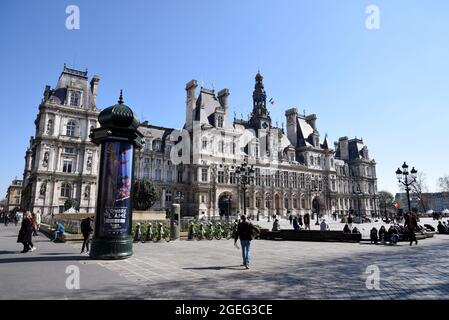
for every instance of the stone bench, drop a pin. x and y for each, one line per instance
(45, 229)
(310, 235)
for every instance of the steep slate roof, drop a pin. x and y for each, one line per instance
(304, 132)
(355, 147)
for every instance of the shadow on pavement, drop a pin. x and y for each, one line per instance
(215, 268)
(8, 252)
(43, 259)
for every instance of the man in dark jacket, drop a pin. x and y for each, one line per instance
(245, 232)
(295, 223)
(307, 221)
(411, 224)
(86, 230)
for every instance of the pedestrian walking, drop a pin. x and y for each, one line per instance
(296, 224)
(25, 233)
(38, 222)
(290, 218)
(86, 230)
(307, 221)
(411, 223)
(34, 221)
(245, 231)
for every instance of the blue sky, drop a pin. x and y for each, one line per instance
(388, 86)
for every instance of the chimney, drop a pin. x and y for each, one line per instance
(311, 119)
(292, 130)
(94, 86)
(223, 98)
(344, 148)
(190, 103)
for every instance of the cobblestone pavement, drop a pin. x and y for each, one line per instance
(287, 270)
(211, 270)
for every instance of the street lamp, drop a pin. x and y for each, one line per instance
(313, 189)
(245, 176)
(403, 177)
(358, 193)
(179, 197)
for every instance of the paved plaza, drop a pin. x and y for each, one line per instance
(211, 270)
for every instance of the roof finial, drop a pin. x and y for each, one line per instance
(120, 99)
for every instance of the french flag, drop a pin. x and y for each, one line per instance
(271, 101)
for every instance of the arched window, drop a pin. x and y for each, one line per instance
(71, 126)
(204, 143)
(66, 190)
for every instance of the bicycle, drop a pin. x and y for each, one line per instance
(200, 233)
(162, 233)
(138, 233)
(210, 232)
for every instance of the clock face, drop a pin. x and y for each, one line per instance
(264, 125)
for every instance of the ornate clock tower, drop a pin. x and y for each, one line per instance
(260, 117)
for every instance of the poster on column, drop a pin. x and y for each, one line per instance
(115, 206)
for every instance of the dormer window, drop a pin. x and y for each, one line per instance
(220, 122)
(157, 145)
(75, 98)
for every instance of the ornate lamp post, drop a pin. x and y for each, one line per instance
(403, 177)
(357, 193)
(118, 137)
(245, 176)
(313, 191)
(179, 197)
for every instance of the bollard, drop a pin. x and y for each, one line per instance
(175, 221)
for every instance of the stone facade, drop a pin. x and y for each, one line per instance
(61, 161)
(13, 195)
(295, 172)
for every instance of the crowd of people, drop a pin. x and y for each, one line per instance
(31, 224)
(389, 234)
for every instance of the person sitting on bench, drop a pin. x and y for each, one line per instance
(58, 230)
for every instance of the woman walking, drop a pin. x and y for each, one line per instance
(25, 233)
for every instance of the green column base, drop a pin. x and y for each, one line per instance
(111, 249)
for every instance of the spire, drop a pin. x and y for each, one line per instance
(120, 99)
(259, 96)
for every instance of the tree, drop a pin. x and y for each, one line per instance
(418, 189)
(443, 183)
(144, 195)
(386, 203)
